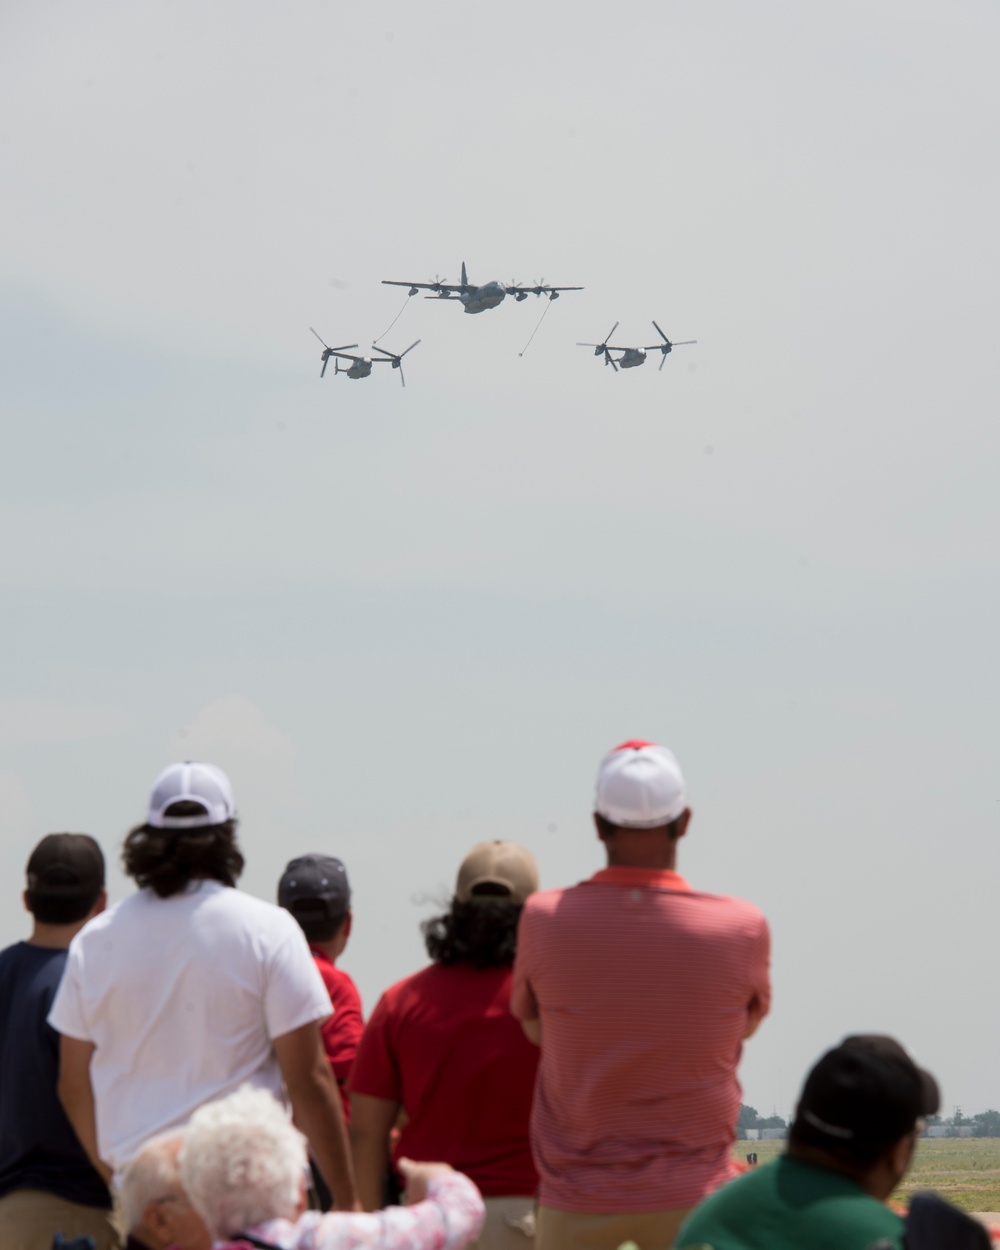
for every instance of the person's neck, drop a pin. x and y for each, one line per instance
(870, 1179)
(54, 936)
(142, 1236)
(332, 949)
(662, 859)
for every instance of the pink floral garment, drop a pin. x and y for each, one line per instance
(450, 1218)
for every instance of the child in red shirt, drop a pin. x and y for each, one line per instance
(315, 889)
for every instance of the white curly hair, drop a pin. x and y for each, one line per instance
(150, 1176)
(243, 1162)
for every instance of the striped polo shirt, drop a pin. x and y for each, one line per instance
(645, 990)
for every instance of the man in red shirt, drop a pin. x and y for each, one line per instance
(315, 889)
(443, 1048)
(640, 992)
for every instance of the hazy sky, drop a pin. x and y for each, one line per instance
(408, 620)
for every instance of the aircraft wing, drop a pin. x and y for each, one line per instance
(540, 289)
(457, 287)
(346, 356)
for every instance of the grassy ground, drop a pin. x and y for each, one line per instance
(965, 1170)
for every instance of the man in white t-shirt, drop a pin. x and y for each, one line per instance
(189, 988)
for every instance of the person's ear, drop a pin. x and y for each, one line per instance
(681, 824)
(155, 1219)
(345, 930)
(24, 899)
(100, 904)
(602, 827)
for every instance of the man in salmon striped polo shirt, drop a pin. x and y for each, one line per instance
(640, 992)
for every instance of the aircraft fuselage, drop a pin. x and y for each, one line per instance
(482, 297)
(358, 369)
(634, 356)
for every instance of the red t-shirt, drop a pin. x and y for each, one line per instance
(341, 1031)
(444, 1044)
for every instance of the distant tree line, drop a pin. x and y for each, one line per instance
(985, 1124)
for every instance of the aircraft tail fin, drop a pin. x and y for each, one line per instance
(465, 279)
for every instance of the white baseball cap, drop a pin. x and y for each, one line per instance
(640, 786)
(191, 782)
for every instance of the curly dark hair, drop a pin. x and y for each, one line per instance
(482, 932)
(165, 860)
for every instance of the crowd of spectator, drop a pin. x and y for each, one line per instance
(190, 1068)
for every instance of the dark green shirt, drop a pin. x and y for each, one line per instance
(789, 1205)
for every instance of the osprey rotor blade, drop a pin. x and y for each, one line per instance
(314, 332)
(326, 361)
(661, 334)
(409, 349)
(610, 359)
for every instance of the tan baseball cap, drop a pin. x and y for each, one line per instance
(497, 864)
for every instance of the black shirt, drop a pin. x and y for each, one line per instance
(38, 1148)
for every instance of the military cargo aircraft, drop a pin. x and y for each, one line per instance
(477, 299)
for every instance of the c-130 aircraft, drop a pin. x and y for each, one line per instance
(477, 299)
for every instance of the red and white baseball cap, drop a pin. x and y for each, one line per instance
(191, 782)
(640, 786)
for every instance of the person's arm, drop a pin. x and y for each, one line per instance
(444, 1211)
(523, 1003)
(760, 981)
(76, 1093)
(371, 1122)
(317, 1109)
(342, 1032)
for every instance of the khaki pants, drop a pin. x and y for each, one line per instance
(30, 1218)
(509, 1225)
(578, 1230)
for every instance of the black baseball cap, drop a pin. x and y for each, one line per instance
(66, 865)
(315, 878)
(866, 1091)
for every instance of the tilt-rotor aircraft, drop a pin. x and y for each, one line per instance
(361, 366)
(632, 357)
(476, 299)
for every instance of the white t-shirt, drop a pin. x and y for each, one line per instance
(181, 997)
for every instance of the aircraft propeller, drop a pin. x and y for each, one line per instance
(601, 349)
(666, 346)
(397, 361)
(328, 352)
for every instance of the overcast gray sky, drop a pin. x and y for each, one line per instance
(408, 620)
